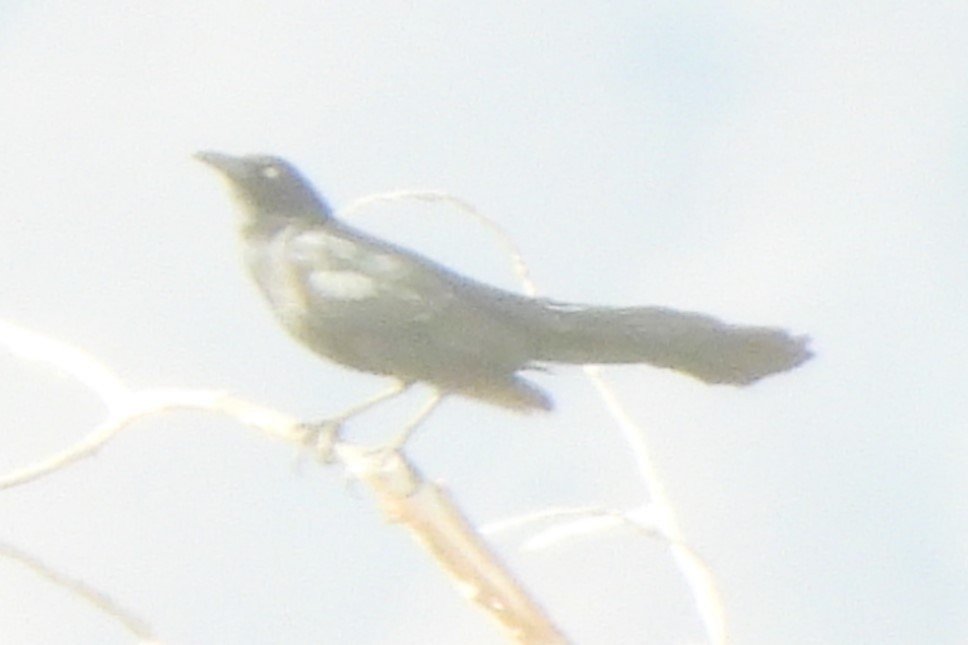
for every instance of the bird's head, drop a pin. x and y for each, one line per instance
(268, 187)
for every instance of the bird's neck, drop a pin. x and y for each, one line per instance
(268, 224)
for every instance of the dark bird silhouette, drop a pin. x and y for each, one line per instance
(379, 308)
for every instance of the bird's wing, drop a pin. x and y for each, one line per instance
(393, 311)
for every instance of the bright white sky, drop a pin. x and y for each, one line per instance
(796, 165)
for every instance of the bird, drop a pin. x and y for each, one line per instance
(377, 307)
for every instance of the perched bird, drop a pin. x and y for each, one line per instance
(380, 308)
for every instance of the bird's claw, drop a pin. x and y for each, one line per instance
(384, 452)
(321, 437)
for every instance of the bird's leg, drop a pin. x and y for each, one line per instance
(422, 414)
(322, 434)
(398, 387)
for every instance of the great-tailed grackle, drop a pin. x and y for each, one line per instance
(376, 307)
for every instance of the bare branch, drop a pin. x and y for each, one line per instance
(426, 510)
(698, 575)
(422, 507)
(435, 521)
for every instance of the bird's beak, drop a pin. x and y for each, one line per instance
(227, 164)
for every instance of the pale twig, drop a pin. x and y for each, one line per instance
(32, 346)
(519, 266)
(698, 575)
(586, 521)
(575, 521)
(133, 624)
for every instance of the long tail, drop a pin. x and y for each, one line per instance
(696, 344)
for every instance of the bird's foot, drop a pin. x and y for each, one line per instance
(320, 437)
(381, 455)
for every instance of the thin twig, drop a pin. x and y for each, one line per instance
(698, 575)
(80, 589)
(518, 265)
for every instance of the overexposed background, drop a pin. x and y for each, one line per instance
(798, 164)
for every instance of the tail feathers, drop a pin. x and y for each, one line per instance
(695, 344)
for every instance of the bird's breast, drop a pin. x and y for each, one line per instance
(310, 274)
(272, 266)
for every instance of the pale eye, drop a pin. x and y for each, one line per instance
(270, 172)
